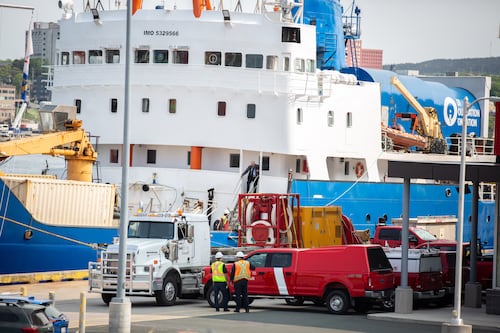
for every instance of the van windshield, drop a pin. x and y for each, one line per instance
(378, 260)
(424, 234)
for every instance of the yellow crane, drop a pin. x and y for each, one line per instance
(428, 124)
(72, 143)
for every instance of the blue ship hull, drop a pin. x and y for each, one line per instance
(364, 203)
(49, 249)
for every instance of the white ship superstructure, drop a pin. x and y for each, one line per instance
(224, 90)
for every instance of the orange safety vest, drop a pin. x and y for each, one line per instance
(217, 272)
(242, 270)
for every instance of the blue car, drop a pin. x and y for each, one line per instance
(58, 319)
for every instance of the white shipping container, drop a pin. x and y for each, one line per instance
(65, 202)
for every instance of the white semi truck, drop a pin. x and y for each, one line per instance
(166, 253)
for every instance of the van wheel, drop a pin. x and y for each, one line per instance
(168, 294)
(295, 301)
(106, 298)
(337, 302)
(211, 296)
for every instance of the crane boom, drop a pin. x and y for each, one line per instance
(429, 122)
(73, 144)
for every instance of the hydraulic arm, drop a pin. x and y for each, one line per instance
(73, 144)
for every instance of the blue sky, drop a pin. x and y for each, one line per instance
(407, 30)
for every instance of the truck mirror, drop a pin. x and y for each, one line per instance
(190, 233)
(173, 250)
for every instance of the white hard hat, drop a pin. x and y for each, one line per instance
(218, 255)
(240, 254)
(226, 211)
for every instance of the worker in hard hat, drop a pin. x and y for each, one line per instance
(224, 220)
(219, 280)
(240, 274)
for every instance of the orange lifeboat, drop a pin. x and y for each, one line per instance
(199, 6)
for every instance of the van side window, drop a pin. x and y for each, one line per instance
(281, 260)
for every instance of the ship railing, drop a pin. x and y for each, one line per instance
(474, 145)
(272, 81)
(487, 191)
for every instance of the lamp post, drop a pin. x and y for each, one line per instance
(457, 321)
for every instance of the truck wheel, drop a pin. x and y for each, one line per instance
(295, 301)
(337, 302)
(106, 298)
(168, 294)
(389, 303)
(211, 296)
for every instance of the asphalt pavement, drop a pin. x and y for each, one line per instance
(194, 316)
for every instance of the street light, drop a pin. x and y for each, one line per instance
(457, 320)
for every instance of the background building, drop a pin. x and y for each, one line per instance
(44, 48)
(7, 103)
(359, 57)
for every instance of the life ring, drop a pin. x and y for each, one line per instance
(256, 233)
(249, 214)
(360, 169)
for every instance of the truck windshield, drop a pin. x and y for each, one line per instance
(150, 229)
(424, 234)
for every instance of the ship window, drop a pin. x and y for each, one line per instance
(346, 168)
(349, 119)
(141, 56)
(78, 57)
(234, 160)
(233, 59)
(64, 58)
(330, 118)
(213, 58)
(189, 158)
(297, 165)
(221, 109)
(180, 57)
(112, 56)
(113, 156)
(95, 57)
(299, 65)
(114, 105)
(78, 104)
(145, 105)
(265, 163)
(251, 111)
(160, 56)
(272, 63)
(300, 116)
(286, 64)
(290, 35)
(172, 105)
(254, 61)
(151, 156)
(310, 66)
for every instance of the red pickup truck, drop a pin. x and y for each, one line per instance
(390, 235)
(340, 276)
(425, 275)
